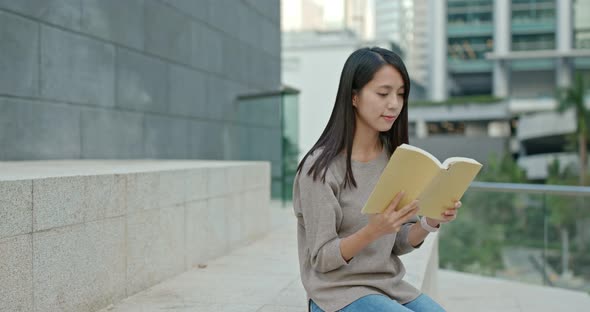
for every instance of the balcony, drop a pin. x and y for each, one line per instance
(536, 165)
(199, 236)
(470, 66)
(470, 29)
(532, 104)
(534, 64)
(460, 109)
(264, 276)
(546, 124)
(533, 26)
(535, 234)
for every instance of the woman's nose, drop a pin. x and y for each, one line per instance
(394, 103)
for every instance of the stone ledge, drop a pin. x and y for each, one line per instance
(422, 266)
(84, 234)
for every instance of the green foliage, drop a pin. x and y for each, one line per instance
(564, 211)
(490, 221)
(473, 242)
(560, 207)
(503, 170)
(573, 97)
(468, 246)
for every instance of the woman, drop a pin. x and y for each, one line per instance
(350, 261)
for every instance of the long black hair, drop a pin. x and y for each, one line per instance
(359, 69)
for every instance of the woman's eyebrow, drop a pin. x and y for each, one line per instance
(390, 87)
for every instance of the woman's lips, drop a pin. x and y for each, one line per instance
(389, 118)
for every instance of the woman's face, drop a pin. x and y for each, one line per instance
(380, 101)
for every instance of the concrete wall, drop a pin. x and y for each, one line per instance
(132, 79)
(536, 166)
(467, 112)
(79, 235)
(545, 124)
(312, 64)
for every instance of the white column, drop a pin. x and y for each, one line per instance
(563, 40)
(421, 129)
(437, 50)
(502, 34)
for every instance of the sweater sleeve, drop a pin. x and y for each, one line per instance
(402, 246)
(316, 205)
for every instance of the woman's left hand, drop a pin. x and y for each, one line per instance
(448, 215)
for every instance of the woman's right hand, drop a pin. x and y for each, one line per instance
(391, 220)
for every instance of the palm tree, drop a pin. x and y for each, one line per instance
(573, 97)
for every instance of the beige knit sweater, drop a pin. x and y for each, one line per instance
(327, 213)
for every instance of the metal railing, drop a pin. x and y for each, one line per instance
(524, 232)
(532, 188)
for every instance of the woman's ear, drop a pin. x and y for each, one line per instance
(355, 98)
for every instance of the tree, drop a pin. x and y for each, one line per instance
(505, 206)
(573, 98)
(565, 212)
(561, 210)
(473, 243)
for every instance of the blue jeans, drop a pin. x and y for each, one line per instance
(379, 303)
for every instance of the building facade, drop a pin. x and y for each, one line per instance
(136, 79)
(405, 23)
(519, 52)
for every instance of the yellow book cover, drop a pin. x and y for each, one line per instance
(422, 176)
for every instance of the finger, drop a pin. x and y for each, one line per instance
(397, 213)
(449, 218)
(411, 210)
(447, 214)
(396, 200)
(451, 210)
(458, 204)
(404, 217)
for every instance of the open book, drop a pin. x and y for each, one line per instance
(422, 177)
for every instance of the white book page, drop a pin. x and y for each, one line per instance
(450, 160)
(421, 151)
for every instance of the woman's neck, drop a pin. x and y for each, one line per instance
(366, 144)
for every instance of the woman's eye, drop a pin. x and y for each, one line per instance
(383, 94)
(401, 95)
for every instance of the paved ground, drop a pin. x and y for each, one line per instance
(462, 292)
(264, 277)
